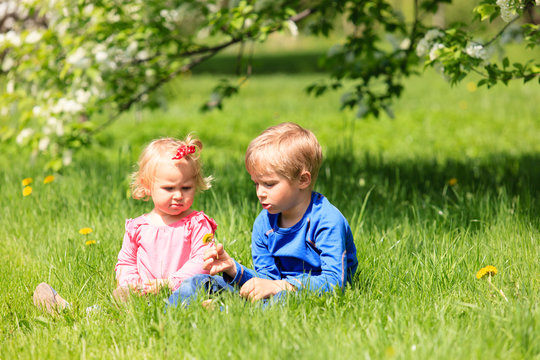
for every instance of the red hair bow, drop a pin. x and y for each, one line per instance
(182, 151)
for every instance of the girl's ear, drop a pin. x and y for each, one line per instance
(304, 179)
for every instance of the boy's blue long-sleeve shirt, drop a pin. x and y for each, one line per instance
(317, 253)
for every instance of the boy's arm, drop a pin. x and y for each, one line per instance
(330, 239)
(233, 272)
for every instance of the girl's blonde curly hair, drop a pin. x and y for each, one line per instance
(142, 179)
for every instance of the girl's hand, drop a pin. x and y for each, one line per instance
(154, 286)
(217, 260)
(256, 288)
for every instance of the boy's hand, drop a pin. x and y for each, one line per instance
(256, 288)
(217, 260)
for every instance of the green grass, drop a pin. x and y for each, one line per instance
(420, 241)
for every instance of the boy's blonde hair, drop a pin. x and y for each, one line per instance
(287, 149)
(165, 149)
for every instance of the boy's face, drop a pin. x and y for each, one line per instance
(277, 194)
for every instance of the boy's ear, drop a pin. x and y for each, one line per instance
(305, 179)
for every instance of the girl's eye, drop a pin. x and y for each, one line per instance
(186, 188)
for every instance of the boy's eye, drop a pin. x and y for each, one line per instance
(186, 188)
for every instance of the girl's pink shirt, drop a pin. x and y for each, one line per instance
(174, 252)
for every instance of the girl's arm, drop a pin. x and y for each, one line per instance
(203, 226)
(126, 266)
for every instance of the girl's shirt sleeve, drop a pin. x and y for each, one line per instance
(126, 266)
(199, 226)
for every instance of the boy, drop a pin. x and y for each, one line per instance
(299, 240)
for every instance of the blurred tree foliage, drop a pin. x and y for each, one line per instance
(65, 61)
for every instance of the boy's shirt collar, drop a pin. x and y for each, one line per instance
(273, 218)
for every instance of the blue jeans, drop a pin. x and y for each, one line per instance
(189, 289)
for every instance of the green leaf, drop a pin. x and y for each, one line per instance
(485, 11)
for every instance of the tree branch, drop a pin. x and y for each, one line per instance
(211, 51)
(501, 31)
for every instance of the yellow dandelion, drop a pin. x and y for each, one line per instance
(27, 191)
(208, 238)
(90, 242)
(85, 231)
(48, 179)
(487, 270)
(452, 182)
(490, 271)
(27, 181)
(471, 87)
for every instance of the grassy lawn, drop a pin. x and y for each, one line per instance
(447, 187)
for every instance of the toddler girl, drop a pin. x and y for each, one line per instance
(165, 246)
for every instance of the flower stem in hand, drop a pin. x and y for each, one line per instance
(210, 238)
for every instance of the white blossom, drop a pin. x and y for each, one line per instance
(33, 37)
(54, 125)
(23, 135)
(101, 56)
(142, 55)
(10, 87)
(433, 34)
(149, 73)
(7, 64)
(82, 96)
(62, 28)
(426, 43)
(59, 128)
(13, 38)
(476, 51)
(132, 48)
(434, 52)
(88, 10)
(36, 110)
(507, 13)
(78, 58)
(66, 105)
(43, 143)
(67, 157)
(7, 7)
(292, 28)
(405, 43)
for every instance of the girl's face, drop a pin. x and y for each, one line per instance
(173, 190)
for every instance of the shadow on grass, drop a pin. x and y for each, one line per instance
(292, 63)
(464, 192)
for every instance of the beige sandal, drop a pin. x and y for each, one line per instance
(47, 299)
